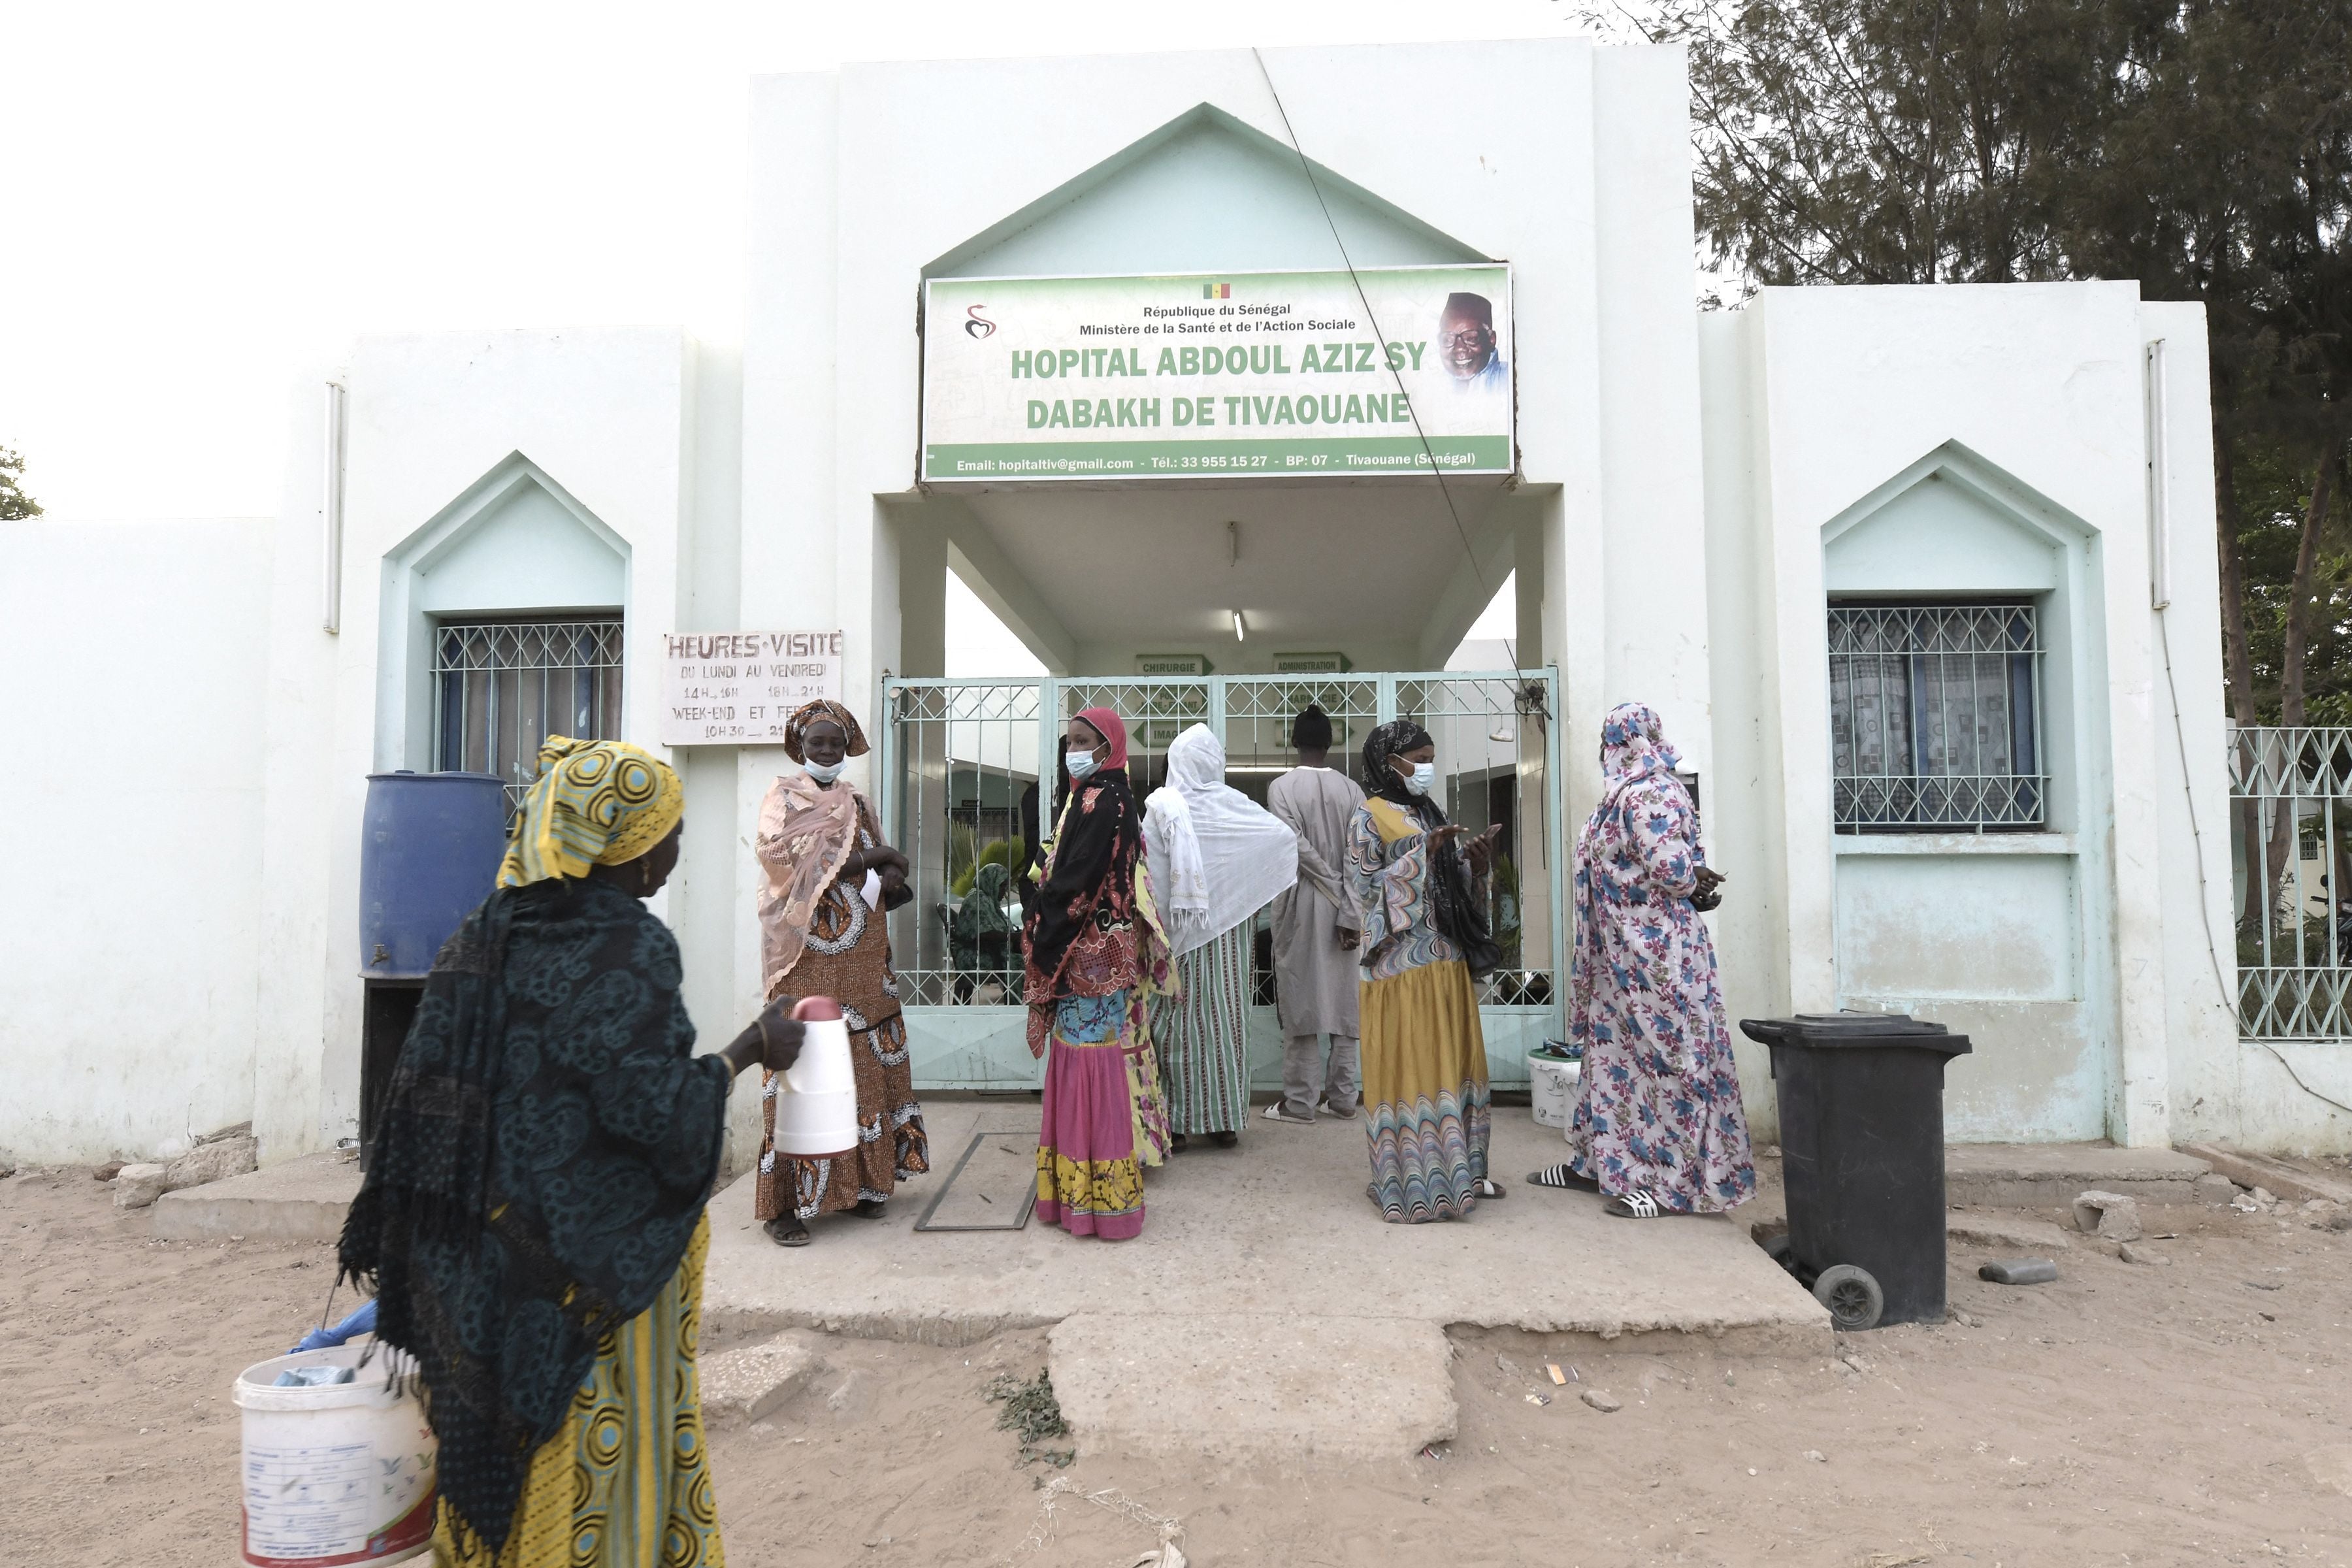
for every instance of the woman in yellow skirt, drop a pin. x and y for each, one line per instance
(1420, 884)
(532, 1220)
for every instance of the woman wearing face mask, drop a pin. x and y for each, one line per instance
(1420, 884)
(830, 879)
(1097, 955)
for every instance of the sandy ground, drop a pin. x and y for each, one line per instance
(2129, 1415)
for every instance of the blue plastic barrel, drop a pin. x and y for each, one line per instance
(429, 850)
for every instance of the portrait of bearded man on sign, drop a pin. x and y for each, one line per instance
(1467, 347)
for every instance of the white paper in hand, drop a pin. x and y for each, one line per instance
(872, 891)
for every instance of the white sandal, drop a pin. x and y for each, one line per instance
(1632, 1206)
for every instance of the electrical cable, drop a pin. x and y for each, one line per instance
(1509, 644)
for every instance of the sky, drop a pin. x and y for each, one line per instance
(201, 205)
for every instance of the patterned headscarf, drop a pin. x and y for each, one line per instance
(1394, 740)
(796, 728)
(594, 803)
(1633, 743)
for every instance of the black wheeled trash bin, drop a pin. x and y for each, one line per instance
(1862, 1148)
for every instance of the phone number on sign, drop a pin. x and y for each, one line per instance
(1171, 465)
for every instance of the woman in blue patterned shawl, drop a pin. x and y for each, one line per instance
(532, 1217)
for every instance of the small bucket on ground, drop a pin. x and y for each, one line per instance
(1552, 1082)
(339, 1473)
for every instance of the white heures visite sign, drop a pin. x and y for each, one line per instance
(1391, 370)
(737, 688)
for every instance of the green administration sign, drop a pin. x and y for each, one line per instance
(1398, 370)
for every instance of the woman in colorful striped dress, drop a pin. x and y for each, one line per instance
(1096, 956)
(1217, 858)
(1420, 886)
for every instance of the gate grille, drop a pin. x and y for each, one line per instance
(958, 756)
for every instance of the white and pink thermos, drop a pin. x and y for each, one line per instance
(816, 1099)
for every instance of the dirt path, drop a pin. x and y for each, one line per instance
(2128, 1414)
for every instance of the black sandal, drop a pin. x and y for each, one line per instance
(787, 1230)
(1177, 1142)
(1562, 1176)
(1227, 1140)
(868, 1208)
(1490, 1190)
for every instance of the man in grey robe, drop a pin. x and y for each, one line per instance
(1316, 934)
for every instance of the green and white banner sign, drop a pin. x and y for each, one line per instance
(1388, 371)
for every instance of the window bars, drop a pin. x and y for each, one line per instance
(2291, 888)
(501, 688)
(1935, 718)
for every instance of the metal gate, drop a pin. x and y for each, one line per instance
(957, 758)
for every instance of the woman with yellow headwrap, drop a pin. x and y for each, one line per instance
(532, 1218)
(830, 879)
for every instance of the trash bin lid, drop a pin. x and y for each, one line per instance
(1830, 1031)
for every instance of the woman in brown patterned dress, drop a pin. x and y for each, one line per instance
(830, 880)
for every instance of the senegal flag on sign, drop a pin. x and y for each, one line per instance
(1216, 291)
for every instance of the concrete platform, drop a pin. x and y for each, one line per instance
(301, 1200)
(2047, 1175)
(1266, 1302)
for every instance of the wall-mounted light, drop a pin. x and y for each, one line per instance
(1239, 634)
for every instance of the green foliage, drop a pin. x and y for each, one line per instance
(2203, 150)
(963, 851)
(1006, 852)
(15, 504)
(1030, 1411)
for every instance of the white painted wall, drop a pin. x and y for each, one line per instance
(1823, 405)
(136, 658)
(1680, 476)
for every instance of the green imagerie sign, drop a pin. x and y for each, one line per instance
(1395, 370)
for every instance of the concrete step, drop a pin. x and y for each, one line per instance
(300, 1200)
(2051, 1175)
(1254, 1387)
(2299, 1180)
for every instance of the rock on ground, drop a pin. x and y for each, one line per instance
(1602, 1401)
(2216, 1190)
(136, 1187)
(2113, 1216)
(214, 1161)
(740, 1386)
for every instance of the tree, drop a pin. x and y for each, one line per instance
(15, 504)
(2201, 147)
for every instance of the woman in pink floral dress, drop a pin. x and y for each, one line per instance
(1659, 1128)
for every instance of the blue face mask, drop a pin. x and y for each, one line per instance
(825, 772)
(1423, 779)
(1080, 765)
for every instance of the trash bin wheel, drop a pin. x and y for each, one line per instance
(1782, 1251)
(1852, 1296)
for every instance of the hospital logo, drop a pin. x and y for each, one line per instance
(978, 325)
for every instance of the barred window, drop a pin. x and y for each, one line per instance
(500, 687)
(1935, 715)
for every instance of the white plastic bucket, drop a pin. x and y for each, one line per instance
(339, 1474)
(816, 1097)
(1552, 1083)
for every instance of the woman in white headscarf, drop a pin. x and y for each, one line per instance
(1217, 858)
